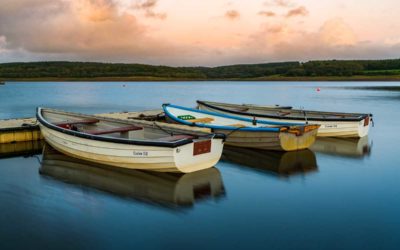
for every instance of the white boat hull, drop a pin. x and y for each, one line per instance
(162, 159)
(327, 128)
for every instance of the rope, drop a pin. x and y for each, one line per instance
(171, 133)
(162, 129)
(233, 131)
(143, 116)
(305, 116)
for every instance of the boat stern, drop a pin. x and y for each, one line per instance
(364, 126)
(298, 137)
(201, 154)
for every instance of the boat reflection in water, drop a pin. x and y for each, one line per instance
(281, 163)
(166, 189)
(343, 147)
(16, 149)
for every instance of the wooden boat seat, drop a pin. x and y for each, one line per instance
(68, 124)
(175, 138)
(113, 130)
(237, 125)
(202, 120)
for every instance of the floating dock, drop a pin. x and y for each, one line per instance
(27, 129)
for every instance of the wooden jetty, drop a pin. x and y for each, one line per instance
(27, 129)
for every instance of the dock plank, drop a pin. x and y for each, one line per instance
(17, 123)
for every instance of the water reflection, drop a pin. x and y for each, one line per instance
(281, 163)
(377, 88)
(166, 189)
(21, 149)
(343, 147)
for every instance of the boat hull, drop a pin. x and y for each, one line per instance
(327, 129)
(243, 133)
(269, 140)
(163, 159)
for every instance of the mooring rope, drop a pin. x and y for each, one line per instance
(233, 131)
(162, 129)
(305, 116)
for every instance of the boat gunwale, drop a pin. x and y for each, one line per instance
(51, 126)
(231, 128)
(360, 118)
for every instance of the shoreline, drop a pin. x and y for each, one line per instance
(358, 78)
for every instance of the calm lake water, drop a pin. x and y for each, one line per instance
(344, 194)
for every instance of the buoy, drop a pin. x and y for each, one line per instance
(318, 89)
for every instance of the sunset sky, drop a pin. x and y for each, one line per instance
(198, 32)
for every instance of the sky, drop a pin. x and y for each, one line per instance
(198, 32)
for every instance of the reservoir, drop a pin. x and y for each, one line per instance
(341, 194)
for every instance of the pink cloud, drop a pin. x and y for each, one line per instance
(282, 3)
(267, 13)
(85, 28)
(111, 30)
(232, 14)
(299, 11)
(279, 3)
(148, 7)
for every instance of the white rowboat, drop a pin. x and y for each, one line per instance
(125, 144)
(333, 124)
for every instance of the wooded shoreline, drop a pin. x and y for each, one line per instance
(263, 79)
(333, 70)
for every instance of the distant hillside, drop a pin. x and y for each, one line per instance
(276, 71)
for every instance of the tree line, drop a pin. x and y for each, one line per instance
(289, 69)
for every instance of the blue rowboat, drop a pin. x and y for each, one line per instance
(245, 132)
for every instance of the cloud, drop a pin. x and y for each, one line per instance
(82, 29)
(148, 4)
(336, 32)
(267, 13)
(114, 31)
(299, 11)
(3, 44)
(283, 3)
(232, 14)
(148, 7)
(389, 41)
(335, 39)
(279, 3)
(276, 29)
